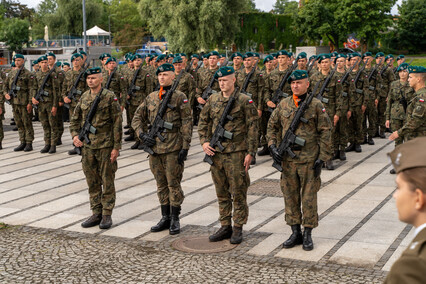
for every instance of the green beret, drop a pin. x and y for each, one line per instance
(248, 54)
(42, 58)
(171, 55)
(416, 69)
(103, 55)
(356, 54)
(409, 155)
(224, 71)
(334, 54)
(274, 55)
(323, 56)
(195, 56)
(160, 57)
(151, 57)
(17, 56)
(368, 53)
(214, 52)
(94, 70)
(350, 55)
(165, 67)
(290, 54)
(268, 58)
(298, 75)
(402, 67)
(235, 54)
(301, 55)
(13, 64)
(34, 62)
(82, 52)
(256, 54)
(177, 59)
(379, 54)
(313, 57)
(283, 52)
(110, 59)
(206, 55)
(182, 54)
(222, 56)
(50, 54)
(340, 55)
(137, 55)
(401, 56)
(75, 55)
(58, 64)
(66, 63)
(389, 56)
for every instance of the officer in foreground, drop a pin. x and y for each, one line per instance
(99, 158)
(409, 161)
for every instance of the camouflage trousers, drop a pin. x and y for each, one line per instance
(396, 124)
(100, 175)
(355, 126)
(370, 115)
(300, 187)
(381, 117)
(231, 182)
(263, 127)
(59, 127)
(48, 121)
(1, 128)
(168, 175)
(132, 110)
(129, 122)
(341, 133)
(24, 123)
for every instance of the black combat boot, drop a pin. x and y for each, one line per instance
(382, 133)
(329, 165)
(264, 151)
(127, 132)
(365, 140)
(1, 146)
(237, 235)
(175, 224)
(342, 155)
(131, 137)
(225, 232)
(307, 239)
(59, 142)
(28, 147)
(336, 155)
(392, 172)
(52, 149)
(295, 238)
(135, 146)
(72, 152)
(370, 140)
(45, 149)
(350, 148)
(20, 147)
(106, 222)
(15, 129)
(126, 127)
(165, 220)
(140, 147)
(358, 148)
(93, 220)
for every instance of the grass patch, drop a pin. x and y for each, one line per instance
(4, 226)
(419, 62)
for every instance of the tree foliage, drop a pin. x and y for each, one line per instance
(411, 25)
(286, 7)
(15, 33)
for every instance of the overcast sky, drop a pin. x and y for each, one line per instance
(264, 5)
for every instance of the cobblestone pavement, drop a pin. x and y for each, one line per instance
(44, 199)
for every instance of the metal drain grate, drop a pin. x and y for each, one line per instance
(266, 187)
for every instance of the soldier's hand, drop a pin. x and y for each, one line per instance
(114, 155)
(207, 149)
(363, 108)
(67, 100)
(1, 111)
(376, 102)
(77, 142)
(201, 101)
(247, 162)
(259, 112)
(271, 104)
(29, 108)
(183, 153)
(61, 104)
(336, 119)
(393, 136)
(122, 108)
(146, 140)
(54, 110)
(34, 101)
(349, 114)
(317, 167)
(387, 124)
(275, 154)
(7, 96)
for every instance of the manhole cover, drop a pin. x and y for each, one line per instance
(266, 187)
(201, 244)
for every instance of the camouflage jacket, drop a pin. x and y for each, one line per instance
(316, 133)
(383, 82)
(118, 85)
(273, 83)
(187, 86)
(332, 93)
(26, 83)
(415, 125)
(255, 87)
(244, 125)
(359, 94)
(181, 117)
(204, 78)
(266, 90)
(144, 85)
(343, 97)
(398, 91)
(1, 97)
(60, 78)
(50, 87)
(107, 120)
(70, 79)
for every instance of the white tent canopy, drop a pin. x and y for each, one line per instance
(96, 31)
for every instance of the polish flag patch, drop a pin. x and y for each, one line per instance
(421, 100)
(115, 99)
(338, 81)
(250, 101)
(323, 110)
(185, 101)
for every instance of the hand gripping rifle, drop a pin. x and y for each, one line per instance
(110, 78)
(74, 91)
(325, 85)
(357, 78)
(279, 94)
(220, 133)
(87, 126)
(159, 125)
(311, 64)
(14, 89)
(41, 92)
(207, 92)
(132, 88)
(290, 138)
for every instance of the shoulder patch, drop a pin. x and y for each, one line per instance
(185, 101)
(147, 75)
(122, 77)
(421, 100)
(323, 110)
(250, 101)
(260, 74)
(115, 99)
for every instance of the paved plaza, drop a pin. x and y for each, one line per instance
(43, 200)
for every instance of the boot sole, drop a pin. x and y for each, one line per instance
(220, 239)
(174, 232)
(307, 248)
(288, 247)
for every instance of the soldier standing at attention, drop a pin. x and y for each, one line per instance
(302, 61)
(186, 82)
(1, 110)
(21, 103)
(99, 158)
(167, 163)
(409, 161)
(118, 84)
(47, 105)
(399, 60)
(237, 59)
(230, 166)
(300, 179)
(415, 123)
(194, 59)
(370, 113)
(66, 67)
(84, 54)
(206, 76)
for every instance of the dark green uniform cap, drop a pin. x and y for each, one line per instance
(323, 56)
(368, 53)
(248, 55)
(409, 155)
(51, 54)
(160, 57)
(213, 53)
(224, 71)
(177, 59)
(35, 62)
(297, 75)
(256, 54)
(282, 52)
(195, 56)
(341, 55)
(110, 59)
(400, 57)
(42, 58)
(171, 55)
(389, 56)
(268, 58)
(356, 54)
(222, 56)
(274, 55)
(58, 64)
(313, 57)
(379, 54)
(181, 54)
(137, 55)
(165, 68)
(416, 69)
(94, 70)
(402, 67)
(66, 63)
(82, 52)
(13, 64)
(301, 55)
(236, 54)
(17, 56)
(334, 54)
(75, 55)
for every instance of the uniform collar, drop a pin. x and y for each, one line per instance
(419, 229)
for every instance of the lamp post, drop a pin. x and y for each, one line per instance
(84, 26)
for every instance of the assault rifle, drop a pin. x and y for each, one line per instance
(74, 91)
(357, 78)
(290, 138)
(132, 88)
(110, 78)
(372, 74)
(159, 125)
(345, 77)
(87, 126)
(189, 66)
(325, 85)
(247, 81)
(279, 94)
(220, 133)
(14, 89)
(207, 92)
(41, 92)
(311, 64)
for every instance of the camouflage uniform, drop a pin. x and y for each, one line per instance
(97, 166)
(204, 78)
(27, 90)
(382, 89)
(265, 113)
(298, 183)
(187, 86)
(59, 126)
(118, 85)
(358, 97)
(48, 121)
(70, 79)
(341, 132)
(228, 173)
(163, 164)
(415, 124)
(273, 83)
(395, 111)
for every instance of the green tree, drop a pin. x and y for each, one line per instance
(411, 25)
(286, 7)
(15, 33)
(191, 25)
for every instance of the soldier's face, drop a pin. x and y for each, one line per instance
(403, 75)
(300, 87)
(161, 62)
(65, 68)
(19, 62)
(226, 83)
(325, 64)
(166, 78)
(184, 59)
(222, 60)
(340, 62)
(130, 63)
(213, 59)
(43, 65)
(111, 65)
(405, 200)
(400, 61)
(237, 61)
(354, 60)
(413, 80)
(379, 59)
(94, 80)
(36, 67)
(282, 60)
(178, 67)
(77, 62)
(248, 62)
(51, 60)
(137, 62)
(195, 61)
(269, 65)
(301, 63)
